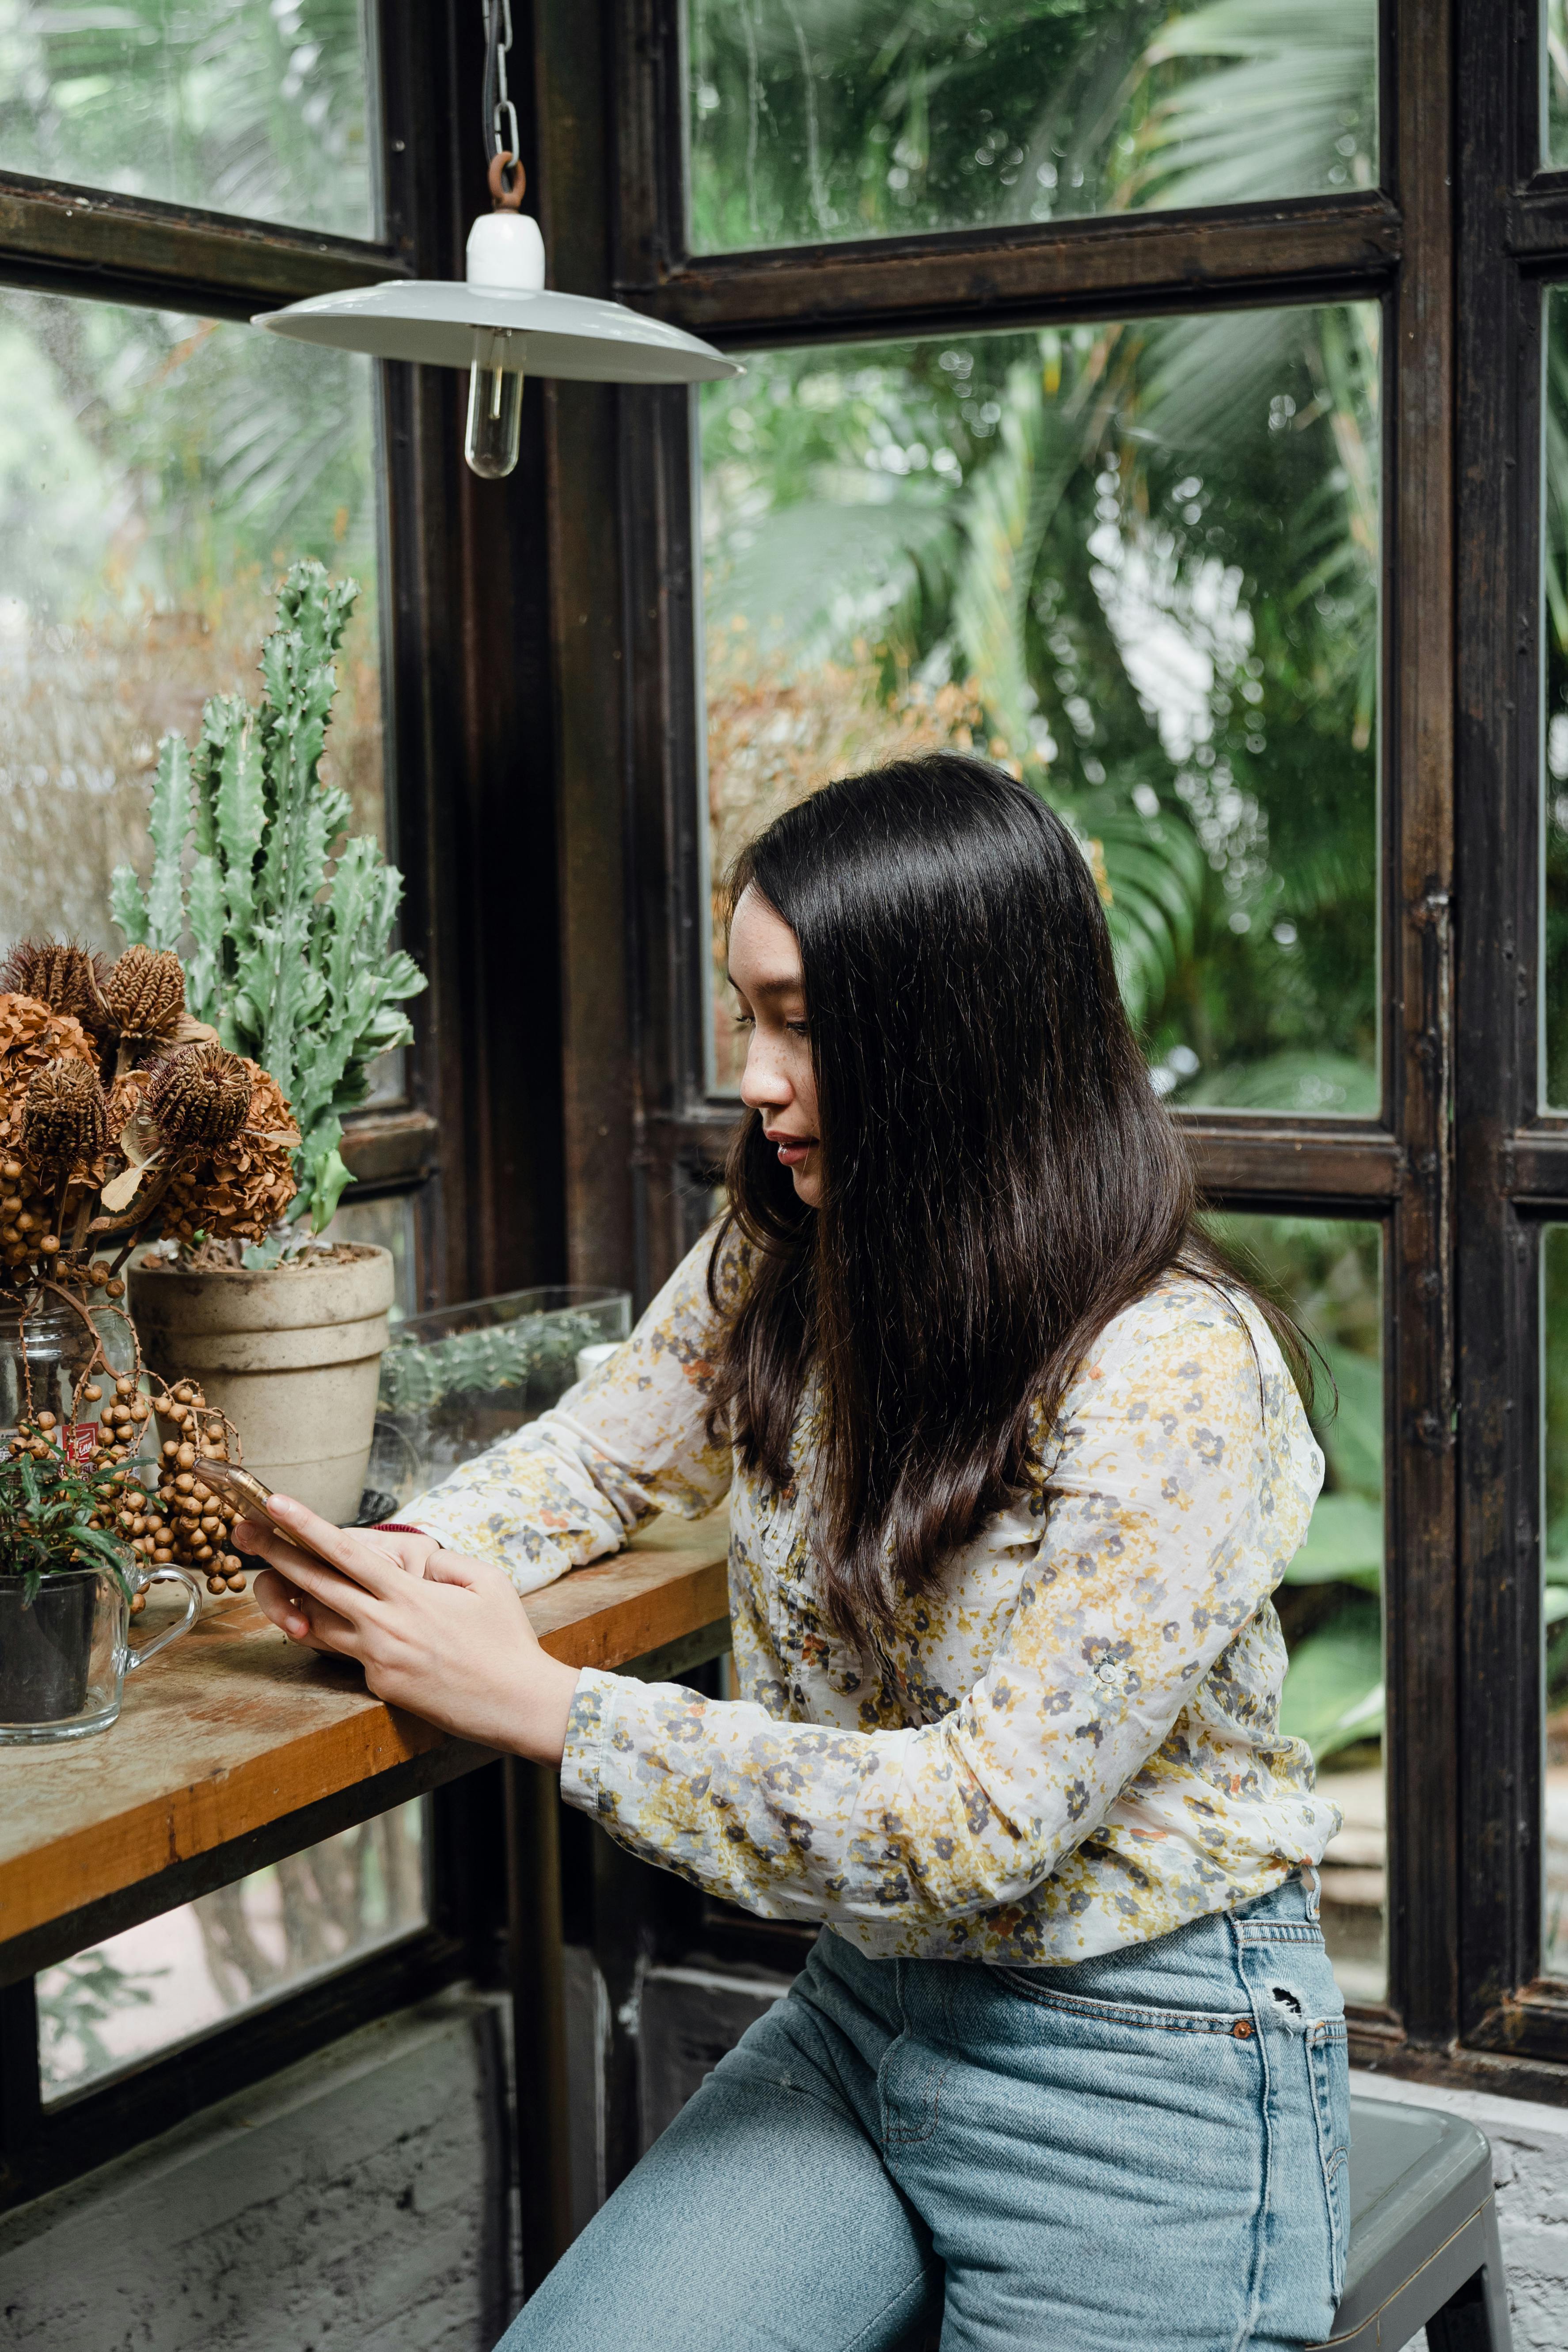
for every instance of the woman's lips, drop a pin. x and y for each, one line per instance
(792, 1149)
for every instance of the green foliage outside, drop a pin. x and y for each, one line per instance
(818, 120)
(1327, 1274)
(75, 1998)
(253, 107)
(291, 922)
(1154, 547)
(1555, 960)
(1555, 1327)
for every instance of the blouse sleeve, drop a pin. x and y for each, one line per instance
(1184, 1481)
(628, 1440)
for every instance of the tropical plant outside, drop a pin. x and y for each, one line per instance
(157, 476)
(236, 107)
(817, 119)
(158, 472)
(1138, 563)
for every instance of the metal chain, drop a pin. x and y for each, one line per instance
(500, 114)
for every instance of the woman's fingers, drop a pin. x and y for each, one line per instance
(348, 1597)
(301, 1618)
(340, 1546)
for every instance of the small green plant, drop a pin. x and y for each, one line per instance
(53, 1515)
(416, 1378)
(291, 921)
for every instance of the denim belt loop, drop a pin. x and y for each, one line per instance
(1312, 1885)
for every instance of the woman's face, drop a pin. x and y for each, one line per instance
(764, 971)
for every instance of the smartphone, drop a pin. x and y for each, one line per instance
(250, 1494)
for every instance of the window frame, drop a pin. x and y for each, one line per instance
(1512, 1159)
(471, 742)
(1396, 244)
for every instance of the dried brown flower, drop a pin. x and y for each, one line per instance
(199, 1095)
(65, 978)
(242, 1187)
(145, 994)
(31, 1036)
(65, 1121)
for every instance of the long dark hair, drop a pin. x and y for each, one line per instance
(1000, 1179)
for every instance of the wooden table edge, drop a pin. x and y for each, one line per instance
(644, 1601)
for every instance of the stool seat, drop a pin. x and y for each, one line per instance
(1423, 2249)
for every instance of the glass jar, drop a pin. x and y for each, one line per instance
(65, 1647)
(45, 1350)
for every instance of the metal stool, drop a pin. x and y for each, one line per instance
(1424, 2248)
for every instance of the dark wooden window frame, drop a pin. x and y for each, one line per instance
(476, 1141)
(1459, 1170)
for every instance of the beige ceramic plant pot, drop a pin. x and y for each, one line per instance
(292, 1357)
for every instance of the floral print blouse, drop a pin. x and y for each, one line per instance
(1074, 1745)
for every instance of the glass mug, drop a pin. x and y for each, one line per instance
(65, 1654)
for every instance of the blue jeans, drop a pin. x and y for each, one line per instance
(1145, 2150)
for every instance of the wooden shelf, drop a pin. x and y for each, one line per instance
(234, 1748)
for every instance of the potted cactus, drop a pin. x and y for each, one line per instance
(280, 927)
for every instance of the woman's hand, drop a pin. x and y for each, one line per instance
(438, 1633)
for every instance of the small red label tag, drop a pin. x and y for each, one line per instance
(81, 1441)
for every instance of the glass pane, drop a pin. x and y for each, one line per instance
(1554, 85)
(155, 1986)
(1329, 1274)
(1554, 766)
(157, 474)
(234, 106)
(386, 1224)
(1554, 1548)
(813, 120)
(1138, 564)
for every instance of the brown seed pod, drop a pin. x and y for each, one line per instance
(245, 1185)
(65, 1120)
(199, 1097)
(31, 1038)
(67, 979)
(145, 994)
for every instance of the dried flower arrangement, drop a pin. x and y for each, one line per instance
(121, 1119)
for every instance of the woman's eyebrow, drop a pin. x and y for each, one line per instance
(787, 987)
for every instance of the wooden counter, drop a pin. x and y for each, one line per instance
(234, 1748)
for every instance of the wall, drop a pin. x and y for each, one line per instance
(347, 2205)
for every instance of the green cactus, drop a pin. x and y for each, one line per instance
(293, 963)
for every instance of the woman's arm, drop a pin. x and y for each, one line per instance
(1176, 1504)
(573, 1485)
(1175, 1508)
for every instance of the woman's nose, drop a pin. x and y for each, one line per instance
(763, 1085)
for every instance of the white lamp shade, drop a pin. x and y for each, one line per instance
(435, 321)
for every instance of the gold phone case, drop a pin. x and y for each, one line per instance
(251, 1494)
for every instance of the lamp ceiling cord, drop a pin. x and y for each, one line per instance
(501, 141)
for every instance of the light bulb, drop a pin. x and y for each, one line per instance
(495, 402)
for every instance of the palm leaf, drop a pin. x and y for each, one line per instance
(1269, 122)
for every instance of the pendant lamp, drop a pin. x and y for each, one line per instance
(501, 322)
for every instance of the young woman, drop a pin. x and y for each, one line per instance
(1013, 1467)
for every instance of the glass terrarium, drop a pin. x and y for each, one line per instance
(454, 1381)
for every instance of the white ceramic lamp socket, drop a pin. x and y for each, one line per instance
(506, 256)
